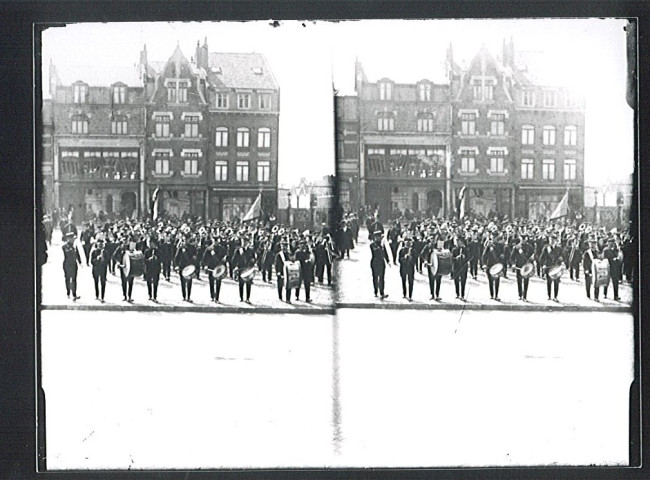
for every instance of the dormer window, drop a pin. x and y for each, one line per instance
(177, 91)
(80, 91)
(243, 101)
(550, 98)
(119, 94)
(257, 70)
(221, 100)
(483, 88)
(528, 98)
(424, 92)
(385, 90)
(80, 124)
(265, 101)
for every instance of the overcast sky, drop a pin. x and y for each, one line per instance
(307, 59)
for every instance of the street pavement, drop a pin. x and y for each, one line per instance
(356, 290)
(264, 296)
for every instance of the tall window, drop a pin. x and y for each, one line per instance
(119, 94)
(527, 169)
(243, 137)
(385, 121)
(221, 100)
(221, 137)
(80, 91)
(191, 163)
(119, 125)
(548, 137)
(425, 122)
(497, 158)
(244, 101)
(191, 126)
(385, 91)
(221, 171)
(527, 135)
(162, 125)
(569, 169)
(467, 161)
(162, 163)
(182, 92)
(489, 92)
(242, 171)
(265, 101)
(570, 135)
(528, 98)
(264, 171)
(177, 91)
(264, 137)
(468, 124)
(498, 124)
(80, 124)
(424, 91)
(549, 98)
(548, 169)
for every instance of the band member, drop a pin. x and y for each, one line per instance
(213, 257)
(305, 257)
(152, 267)
(110, 245)
(522, 255)
(87, 241)
(99, 260)
(459, 266)
(323, 254)
(71, 258)
(588, 258)
(407, 262)
(243, 259)
(184, 257)
(615, 258)
(127, 282)
(378, 262)
(166, 252)
(435, 280)
(393, 239)
(346, 243)
(281, 258)
(475, 248)
(491, 256)
(418, 246)
(551, 256)
(573, 254)
(266, 258)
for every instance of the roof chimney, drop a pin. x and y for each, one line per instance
(143, 55)
(204, 55)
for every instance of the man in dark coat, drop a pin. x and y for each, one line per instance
(323, 254)
(551, 256)
(393, 237)
(614, 256)
(244, 258)
(475, 248)
(99, 259)
(213, 257)
(71, 259)
(305, 257)
(435, 280)
(166, 253)
(590, 254)
(407, 260)
(185, 256)
(521, 256)
(379, 259)
(281, 258)
(87, 241)
(127, 281)
(459, 255)
(152, 268)
(573, 256)
(491, 256)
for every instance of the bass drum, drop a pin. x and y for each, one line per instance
(248, 274)
(600, 270)
(188, 272)
(133, 264)
(527, 270)
(440, 262)
(292, 274)
(496, 270)
(219, 272)
(555, 273)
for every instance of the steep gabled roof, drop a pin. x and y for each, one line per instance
(98, 76)
(240, 70)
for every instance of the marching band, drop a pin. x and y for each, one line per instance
(149, 250)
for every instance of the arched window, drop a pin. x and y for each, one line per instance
(264, 137)
(424, 92)
(243, 137)
(221, 137)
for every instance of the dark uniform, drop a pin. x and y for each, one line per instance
(407, 262)
(323, 254)
(613, 255)
(306, 271)
(213, 257)
(152, 268)
(521, 255)
(166, 252)
(378, 262)
(127, 282)
(459, 256)
(475, 251)
(244, 258)
(71, 259)
(185, 255)
(434, 280)
(491, 256)
(281, 258)
(99, 259)
(551, 256)
(588, 258)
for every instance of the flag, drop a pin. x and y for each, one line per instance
(155, 204)
(255, 210)
(562, 209)
(462, 199)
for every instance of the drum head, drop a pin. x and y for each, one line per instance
(220, 272)
(126, 261)
(188, 271)
(434, 263)
(556, 272)
(527, 270)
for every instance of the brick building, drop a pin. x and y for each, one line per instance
(515, 142)
(404, 145)
(97, 140)
(47, 157)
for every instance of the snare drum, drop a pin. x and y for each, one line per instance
(554, 273)
(527, 270)
(600, 269)
(219, 272)
(444, 262)
(496, 270)
(292, 274)
(248, 274)
(188, 272)
(133, 264)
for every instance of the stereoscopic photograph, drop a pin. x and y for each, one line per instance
(375, 243)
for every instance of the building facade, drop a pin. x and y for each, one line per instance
(515, 144)
(202, 131)
(97, 141)
(347, 152)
